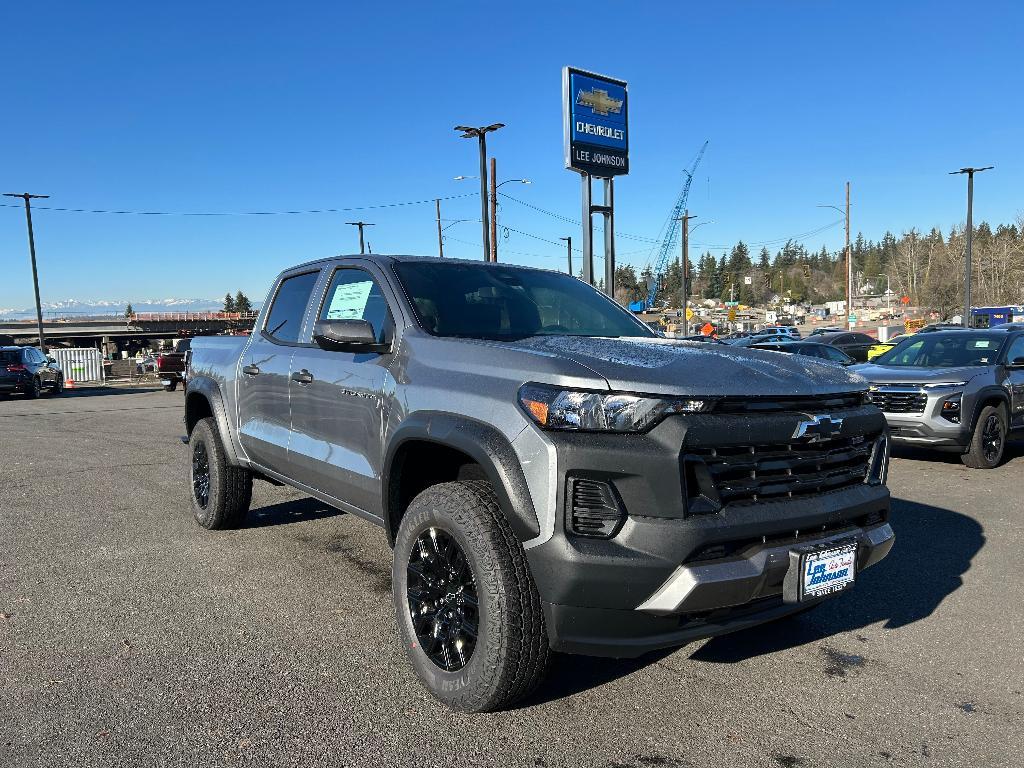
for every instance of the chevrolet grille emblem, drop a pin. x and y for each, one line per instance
(818, 428)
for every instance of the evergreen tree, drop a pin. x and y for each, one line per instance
(242, 303)
(229, 303)
(129, 310)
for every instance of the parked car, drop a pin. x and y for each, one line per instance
(808, 349)
(853, 343)
(960, 391)
(826, 329)
(884, 346)
(760, 338)
(27, 370)
(170, 365)
(785, 330)
(490, 418)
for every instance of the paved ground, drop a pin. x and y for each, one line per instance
(128, 636)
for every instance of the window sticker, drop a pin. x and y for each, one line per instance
(981, 344)
(349, 301)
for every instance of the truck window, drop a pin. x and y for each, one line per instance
(355, 295)
(285, 317)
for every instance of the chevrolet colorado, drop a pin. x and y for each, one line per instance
(552, 475)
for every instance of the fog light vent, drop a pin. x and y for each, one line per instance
(594, 509)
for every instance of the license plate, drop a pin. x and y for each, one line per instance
(166, 382)
(827, 571)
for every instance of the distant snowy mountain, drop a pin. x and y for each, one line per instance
(108, 307)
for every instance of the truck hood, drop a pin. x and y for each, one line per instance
(912, 374)
(668, 366)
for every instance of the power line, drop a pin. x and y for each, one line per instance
(244, 213)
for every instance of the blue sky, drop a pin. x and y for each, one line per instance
(268, 106)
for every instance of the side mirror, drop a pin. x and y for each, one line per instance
(1017, 362)
(348, 336)
(50, 360)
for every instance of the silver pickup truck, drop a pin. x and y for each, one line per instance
(551, 474)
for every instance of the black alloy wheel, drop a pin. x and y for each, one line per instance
(992, 438)
(442, 598)
(201, 474)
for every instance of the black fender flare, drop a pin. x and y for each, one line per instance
(987, 394)
(205, 388)
(484, 444)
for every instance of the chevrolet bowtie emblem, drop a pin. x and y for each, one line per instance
(599, 101)
(818, 428)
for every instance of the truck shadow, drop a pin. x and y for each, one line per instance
(1014, 450)
(934, 548)
(287, 512)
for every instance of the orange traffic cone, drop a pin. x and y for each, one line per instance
(69, 383)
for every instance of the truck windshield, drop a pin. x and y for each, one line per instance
(498, 302)
(944, 350)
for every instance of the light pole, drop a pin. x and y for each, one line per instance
(970, 236)
(849, 259)
(32, 252)
(480, 134)
(568, 250)
(685, 256)
(493, 253)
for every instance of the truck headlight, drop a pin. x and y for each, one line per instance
(572, 409)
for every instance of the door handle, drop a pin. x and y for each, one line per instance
(302, 377)
(251, 370)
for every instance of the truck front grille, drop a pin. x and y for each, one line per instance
(898, 401)
(752, 473)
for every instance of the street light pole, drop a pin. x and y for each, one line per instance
(568, 250)
(480, 134)
(849, 258)
(361, 224)
(966, 319)
(32, 253)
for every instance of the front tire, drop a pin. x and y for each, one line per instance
(35, 389)
(220, 493)
(988, 441)
(469, 614)
(58, 386)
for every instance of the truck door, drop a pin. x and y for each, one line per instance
(336, 396)
(1015, 380)
(264, 417)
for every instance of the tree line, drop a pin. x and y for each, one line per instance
(237, 303)
(926, 267)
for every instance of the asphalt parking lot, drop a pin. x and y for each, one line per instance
(129, 636)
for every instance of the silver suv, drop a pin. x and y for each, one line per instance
(957, 390)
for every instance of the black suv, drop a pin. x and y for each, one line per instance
(26, 369)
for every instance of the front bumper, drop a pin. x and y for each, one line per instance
(644, 589)
(928, 428)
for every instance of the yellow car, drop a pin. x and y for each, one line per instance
(885, 346)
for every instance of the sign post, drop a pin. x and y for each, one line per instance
(596, 142)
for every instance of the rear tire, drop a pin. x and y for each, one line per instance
(474, 591)
(171, 387)
(220, 493)
(988, 441)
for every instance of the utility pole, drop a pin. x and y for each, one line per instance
(440, 239)
(469, 132)
(568, 250)
(494, 209)
(849, 264)
(32, 252)
(685, 253)
(361, 224)
(970, 237)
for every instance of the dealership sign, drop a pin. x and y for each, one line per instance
(595, 110)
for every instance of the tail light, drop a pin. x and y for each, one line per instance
(15, 367)
(160, 361)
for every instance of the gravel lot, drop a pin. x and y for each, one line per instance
(129, 636)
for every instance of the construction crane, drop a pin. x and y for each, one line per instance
(667, 247)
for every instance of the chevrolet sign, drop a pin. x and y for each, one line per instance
(596, 109)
